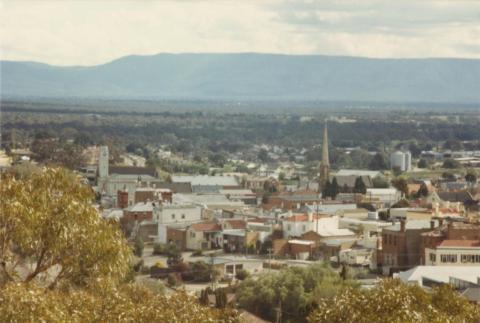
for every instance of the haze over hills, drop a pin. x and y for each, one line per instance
(251, 77)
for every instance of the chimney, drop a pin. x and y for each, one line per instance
(402, 225)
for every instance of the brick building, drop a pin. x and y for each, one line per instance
(451, 231)
(401, 244)
(139, 212)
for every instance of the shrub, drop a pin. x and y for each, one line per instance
(197, 253)
(138, 247)
(159, 264)
(159, 248)
(172, 280)
(242, 274)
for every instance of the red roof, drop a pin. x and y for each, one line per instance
(237, 224)
(206, 226)
(459, 243)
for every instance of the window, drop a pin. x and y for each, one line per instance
(192, 234)
(470, 258)
(173, 216)
(304, 228)
(289, 227)
(394, 240)
(229, 269)
(448, 258)
(433, 257)
(183, 216)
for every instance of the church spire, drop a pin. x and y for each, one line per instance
(325, 159)
(325, 163)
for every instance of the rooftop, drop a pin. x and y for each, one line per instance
(141, 207)
(206, 227)
(132, 170)
(206, 180)
(412, 225)
(459, 243)
(441, 274)
(304, 217)
(302, 242)
(358, 172)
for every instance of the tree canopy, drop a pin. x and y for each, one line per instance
(106, 303)
(393, 301)
(360, 186)
(290, 293)
(49, 230)
(61, 262)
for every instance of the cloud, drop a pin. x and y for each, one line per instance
(94, 32)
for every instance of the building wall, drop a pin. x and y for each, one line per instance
(178, 237)
(393, 248)
(148, 231)
(461, 257)
(122, 199)
(137, 216)
(194, 239)
(402, 250)
(144, 196)
(298, 249)
(280, 247)
(296, 229)
(463, 233)
(428, 242)
(174, 214)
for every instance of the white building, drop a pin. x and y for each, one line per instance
(326, 226)
(178, 213)
(401, 160)
(424, 276)
(454, 252)
(110, 185)
(387, 196)
(370, 230)
(330, 208)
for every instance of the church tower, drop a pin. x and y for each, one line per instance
(325, 163)
(103, 162)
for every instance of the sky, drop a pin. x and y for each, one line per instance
(86, 32)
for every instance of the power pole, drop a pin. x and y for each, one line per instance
(269, 259)
(279, 312)
(211, 271)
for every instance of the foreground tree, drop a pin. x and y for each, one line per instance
(50, 231)
(393, 301)
(60, 262)
(106, 303)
